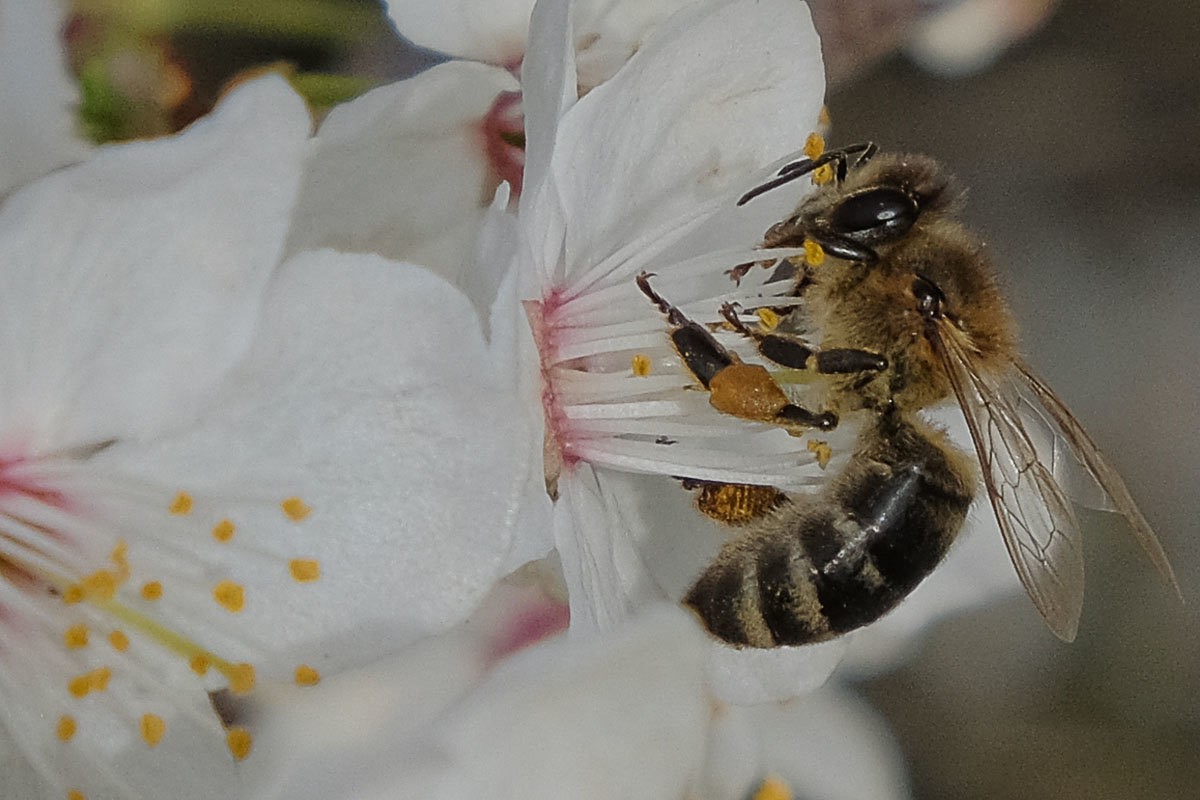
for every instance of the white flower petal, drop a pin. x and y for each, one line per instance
(347, 402)
(622, 715)
(718, 91)
(484, 30)
(829, 744)
(403, 171)
(133, 280)
(38, 129)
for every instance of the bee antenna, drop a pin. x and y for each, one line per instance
(798, 169)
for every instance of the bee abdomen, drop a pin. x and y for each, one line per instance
(825, 568)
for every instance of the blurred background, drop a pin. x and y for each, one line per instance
(1073, 124)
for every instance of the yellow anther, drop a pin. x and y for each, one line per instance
(305, 570)
(295, 509)
(223, 531)
(101, 585)
(200, 663)
(100, 678)
(641, 365)
(239, 742)
(767, 318)
(76, 636)
(153, 729)
(307, 676)
(75, 794)
(72, 594)
(80, 685)
(152, 590)
(822, 174)
(66, 728)
(181, 505)
(230, 595)
(773, 788)
(241, 678)
(814, 145)
(119, 641)
(822, 450)
(814, 254)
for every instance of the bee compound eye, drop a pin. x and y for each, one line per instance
(883, 212)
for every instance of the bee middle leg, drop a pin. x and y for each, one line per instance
(793, 353)
(742, 390)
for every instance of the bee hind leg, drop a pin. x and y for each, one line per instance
(791, 351)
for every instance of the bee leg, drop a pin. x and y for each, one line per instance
(742, 390)
(792, 352)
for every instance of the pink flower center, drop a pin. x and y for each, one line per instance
(504, 139)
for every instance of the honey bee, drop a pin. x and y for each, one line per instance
(907, 314)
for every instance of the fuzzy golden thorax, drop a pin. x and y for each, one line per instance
(873, 307)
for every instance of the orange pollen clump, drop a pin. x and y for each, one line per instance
(307, 676)
(773, 789)
(305, 570)
(101, 585)
(767, 318)
(200, 663)
(241, 678)
(822, 174)
(76, 636)
(119, 641)
(72, 594)
(152, 590)
(230, 595)
(295, 509)
(223, 531)
(66, 728)
(239, 742)
(153, 727)
(181, 505)
(814, 254)
(814, 145)
(75, 794)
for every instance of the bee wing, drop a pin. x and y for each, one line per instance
(1086, 453)
(1035, 515)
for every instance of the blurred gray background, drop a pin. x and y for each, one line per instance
(1079, 148)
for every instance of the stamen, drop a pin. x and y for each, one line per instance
(230, 596)
(767, 318)
(152, 590)
(814, 145)
(305, 570)
(295, 509)
(307, 676)
(76, 636)
(239, 742)
(241, 678)
(181, 505)
(153, 728)
(66, 728)
(773, 788)
(641, 365)
(119, 641)
(223, 531)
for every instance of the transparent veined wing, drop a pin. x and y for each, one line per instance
(1035, 515)
(1085, 452)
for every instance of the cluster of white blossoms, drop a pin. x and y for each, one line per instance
(274, 405)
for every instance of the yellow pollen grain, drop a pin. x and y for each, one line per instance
(72, 594)
(305, 570)
(119, 641)
(101, 585)
(307, 676)
(773, 788)
(76, 636)
(223, 531)
(153, 727)
(66, 728)
(238, 741)
(182, 505)
(241, 678)
(641, 365)
(821, 450)
(814, 145)
(814, 254)
(152, 590)
(230, 595)
(822, 174)
(80, 685)
(295, 509)
(767, 318)
(200, 663)
(75, 794)
(100, 678)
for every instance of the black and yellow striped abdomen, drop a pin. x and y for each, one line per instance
(818, 567)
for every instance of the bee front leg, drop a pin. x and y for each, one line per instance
(742, 390)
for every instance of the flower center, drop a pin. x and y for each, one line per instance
(504, 139)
